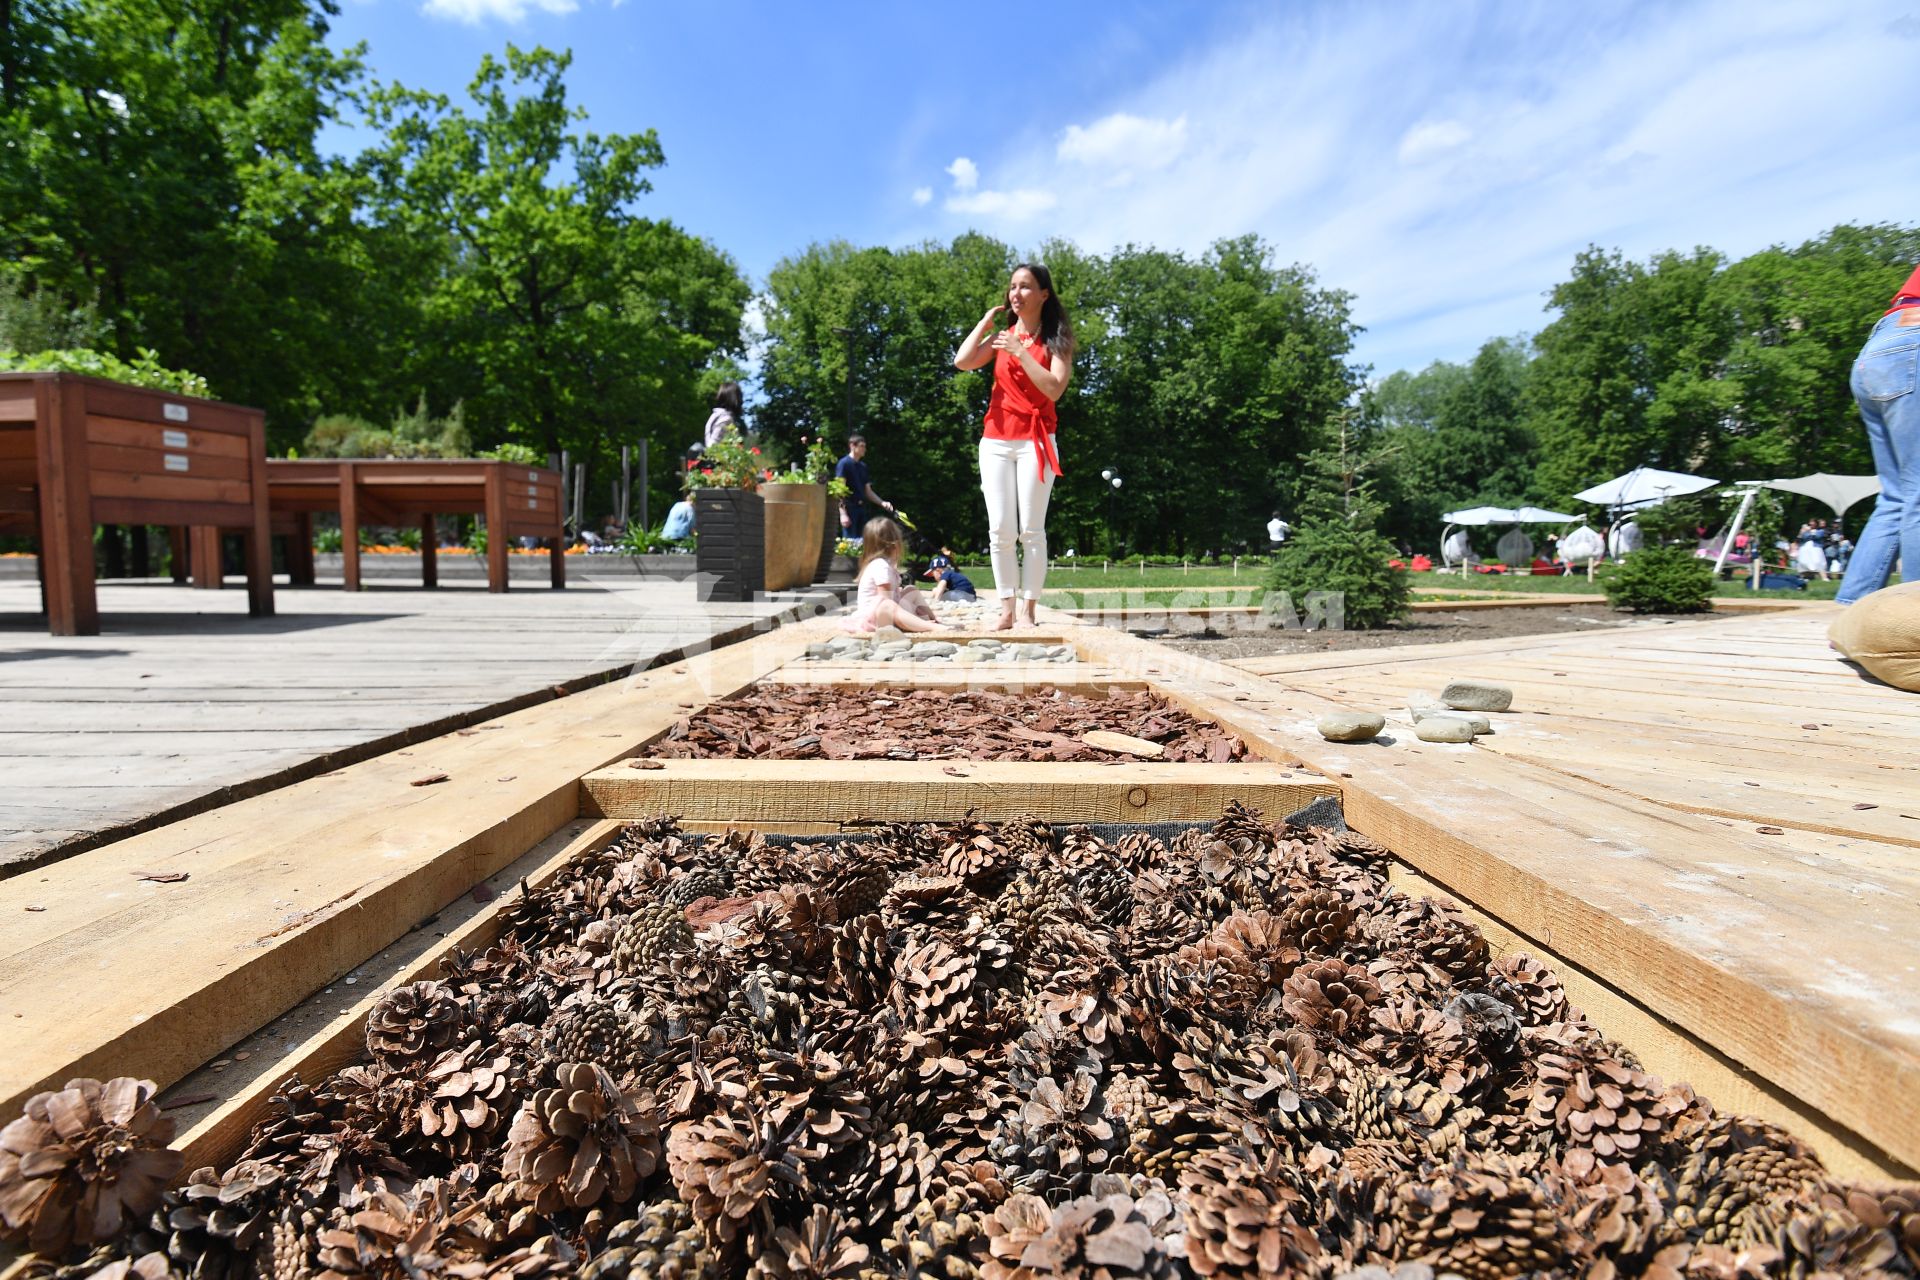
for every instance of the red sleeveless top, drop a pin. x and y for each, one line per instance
(1909, 293)
(1021, 411)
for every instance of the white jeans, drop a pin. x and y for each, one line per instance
(1016, 507)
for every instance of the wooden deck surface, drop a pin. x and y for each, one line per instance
(183, 700)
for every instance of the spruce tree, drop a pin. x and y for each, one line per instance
(1337, 547)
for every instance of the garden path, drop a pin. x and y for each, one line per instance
(184, 702)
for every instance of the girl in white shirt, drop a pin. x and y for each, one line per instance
(883, 601)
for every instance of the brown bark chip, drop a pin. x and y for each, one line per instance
(809, 722)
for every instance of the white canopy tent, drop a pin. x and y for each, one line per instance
(1476, 516)
(1838, 492)
(1643, 487)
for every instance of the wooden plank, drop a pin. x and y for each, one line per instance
(166, 437)
(121, 976)
(66, 511)
(16, 404)
(116, 400)
(498, 538)
(170, 487)
(221, 515)
(758, 792)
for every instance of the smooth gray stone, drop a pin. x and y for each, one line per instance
(1479, 722)
(935, 649)
(1444, 729)
(823, 650)
(1421, 705)
(1476, 695)
(1351, 726)
(1063, 657)
(984, 643)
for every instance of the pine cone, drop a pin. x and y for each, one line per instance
(1330, 997)
(932, 989)
(732, 1167)
(1897, 1208)
(82, 1161)
(414, 1024)
(694, 884)
(1111, 1236)
(1530, 989)
(1603, 1109)
(662, 1241)
(470, 1099)
(1423, 1121)
(1031, 841)
(1490, 1023)
(823, 1248)
(863, 961)
(933, 1244)
(594, 1030)
(572, 1145)
(1106, 886)
(1424, 1044)
(645, 939)
(1319, 921)
(1244, 1219)
(392, 1235)
(1242, 822)
(975, 854)
(1486, 1220)
(935, 903)
(1739, 1180)
(1140, 852)
(1059, 1139)
(1826, 1238)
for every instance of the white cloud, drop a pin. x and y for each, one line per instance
(966, 174)
(923, 195)
(475, 12)
(1016, 206)
(1447, 172)
(1430, 138)
(1123, 145)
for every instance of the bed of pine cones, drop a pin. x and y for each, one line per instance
(961, 1050)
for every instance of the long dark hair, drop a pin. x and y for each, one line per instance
(728, 398)
(1055, 329)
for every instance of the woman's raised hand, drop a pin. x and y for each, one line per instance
(1009, 341)
(992, 314)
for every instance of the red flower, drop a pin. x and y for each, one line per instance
(754, 452)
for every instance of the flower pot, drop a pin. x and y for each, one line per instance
(732, 549)
(792, 533)
(829, 534)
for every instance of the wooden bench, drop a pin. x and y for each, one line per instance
(515, 500)
(77, 451)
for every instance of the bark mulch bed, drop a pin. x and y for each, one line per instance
(800, 722)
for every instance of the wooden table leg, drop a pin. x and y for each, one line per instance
(258, 548)
(203, 554)
(557, 559)
(142, 558)
(300, 550)
(497, 547)
(179, 553)
(66, 509)
(429, 551)
(349, 527)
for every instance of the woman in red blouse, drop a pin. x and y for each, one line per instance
(1032, 360)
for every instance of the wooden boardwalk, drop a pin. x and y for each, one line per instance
(183, 701)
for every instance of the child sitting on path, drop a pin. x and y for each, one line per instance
(882, 600)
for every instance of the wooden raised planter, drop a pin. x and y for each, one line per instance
(794, 513)
(515, 500)
(732, 550)
(78, 451)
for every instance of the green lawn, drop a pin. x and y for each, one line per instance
(1091, 587)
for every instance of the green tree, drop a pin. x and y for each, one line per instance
(564, 320)
(1337, 547)
(160, 172)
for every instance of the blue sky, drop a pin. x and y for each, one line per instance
(1441, 160)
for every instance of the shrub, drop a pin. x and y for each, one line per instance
(1347, 557)
(412, 435)
(143, 371)
(1659, 579)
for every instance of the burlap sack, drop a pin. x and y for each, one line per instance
(1881, 632)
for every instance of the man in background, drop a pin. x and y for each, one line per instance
(853, 470)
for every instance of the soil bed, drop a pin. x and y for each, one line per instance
(826, 722)
(956, 1049)
(1225, 641)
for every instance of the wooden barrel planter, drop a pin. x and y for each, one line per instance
(732, 547)
(793, 514)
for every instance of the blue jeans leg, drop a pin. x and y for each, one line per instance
(1886, 383)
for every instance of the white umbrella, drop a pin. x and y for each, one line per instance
(1540, 515)
(1644, 487)
(1838, 492)
(1479, 515)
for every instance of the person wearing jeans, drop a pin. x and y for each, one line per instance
(1032, 361)
(1886, 383)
